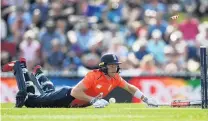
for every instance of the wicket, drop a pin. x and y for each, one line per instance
(204, 75)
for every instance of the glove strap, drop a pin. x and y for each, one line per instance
(145, 99)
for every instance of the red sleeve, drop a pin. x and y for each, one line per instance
(121, 82)
(88, 79)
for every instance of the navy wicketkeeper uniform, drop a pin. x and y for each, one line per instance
(26, 95)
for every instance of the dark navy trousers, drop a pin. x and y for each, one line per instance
(56, 99)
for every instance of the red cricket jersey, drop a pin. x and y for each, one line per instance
(96, 82)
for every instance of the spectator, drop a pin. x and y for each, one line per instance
(37, 18)
(95, 8)
(19, 22)
(18, 29)
(71, 61)
(96, 44)
(30, 49)
(91, 58)
(47, 35)
(56, 57)
(147, 65)
(118, 49)
(189, 5)
(132, 8)
(131, 35)
(36, 22)
(114, 12)
(61, 27)
(58, 11)
(176, 51)
(160, 25)
(155, 5)
(131, 29)
(20, 14)
(140, 48)
(156, 47)
(203, 8)
(83, 36)
(112, 34)
(189, 28)
(40, 5)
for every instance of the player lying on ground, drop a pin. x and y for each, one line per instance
(87, 92)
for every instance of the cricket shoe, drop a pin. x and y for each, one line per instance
(20, 99)
(10, 66)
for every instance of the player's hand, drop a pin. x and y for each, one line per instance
(105, 102)
(150, 102)
(100, 103)
(100, 96)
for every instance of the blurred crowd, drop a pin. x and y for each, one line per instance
(71, 35)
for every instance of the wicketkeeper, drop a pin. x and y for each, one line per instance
(89, 91)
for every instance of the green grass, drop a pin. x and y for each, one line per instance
(114, 112)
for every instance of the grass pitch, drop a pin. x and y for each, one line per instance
(114, 112)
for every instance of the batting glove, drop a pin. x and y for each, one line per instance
(99, 103)
(150, 102)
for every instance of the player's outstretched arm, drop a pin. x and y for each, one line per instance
(134, 91)
(138, 94)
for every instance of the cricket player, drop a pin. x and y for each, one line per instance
(89, 91)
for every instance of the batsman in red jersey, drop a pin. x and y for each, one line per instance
(89, 91)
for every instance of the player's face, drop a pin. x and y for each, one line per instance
(112, 68)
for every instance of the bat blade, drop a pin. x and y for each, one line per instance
(183, 103)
